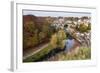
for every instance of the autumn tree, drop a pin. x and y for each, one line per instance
(84, 28)
(57, 40)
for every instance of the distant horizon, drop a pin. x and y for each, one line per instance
(55, 13)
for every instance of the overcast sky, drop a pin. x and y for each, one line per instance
(55, 14)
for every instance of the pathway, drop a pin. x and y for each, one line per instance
(34, 51)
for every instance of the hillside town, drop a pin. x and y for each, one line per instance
(71, 24)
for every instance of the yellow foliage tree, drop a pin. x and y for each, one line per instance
(57, 40)
(53, 41)
(61, 36)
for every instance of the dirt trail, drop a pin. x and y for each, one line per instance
(34, 50)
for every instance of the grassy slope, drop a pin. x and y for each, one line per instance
(82, 54)
(38, 55)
